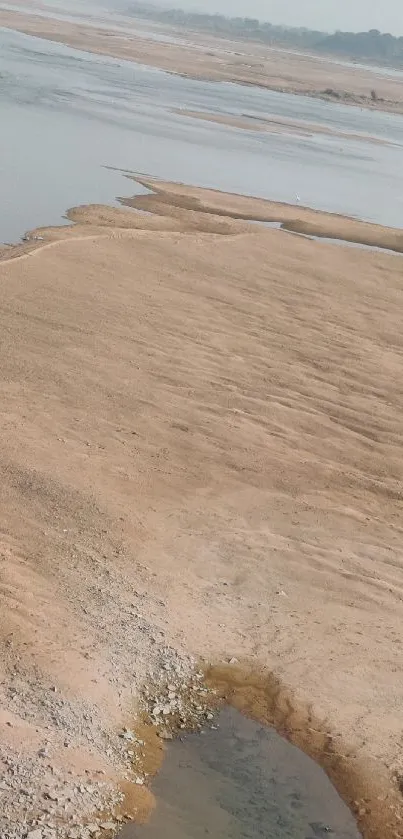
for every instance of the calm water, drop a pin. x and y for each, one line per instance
(242, 781)
(66, 115)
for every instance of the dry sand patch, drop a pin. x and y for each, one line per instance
(201, 456)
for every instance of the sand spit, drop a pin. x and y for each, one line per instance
(201, 458)
(217, 59)
(276, 125)
(207, 206)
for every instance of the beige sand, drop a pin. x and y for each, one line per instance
(194, 207)
(220, 59)
(277, 126)
(209, 425)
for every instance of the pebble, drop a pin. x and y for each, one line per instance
(165, 735)
(67, 802)
(52, 796)
(128, 735)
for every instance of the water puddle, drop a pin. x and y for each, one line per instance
(278, 225)
(348, 244)
(274, 225)
(240, 780)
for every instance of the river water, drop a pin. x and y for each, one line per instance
(67, 115)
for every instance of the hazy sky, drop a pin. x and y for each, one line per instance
(386, 15)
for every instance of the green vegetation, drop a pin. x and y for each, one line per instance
(369, 46)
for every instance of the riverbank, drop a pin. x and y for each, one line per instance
(201, 437)
(213, 59)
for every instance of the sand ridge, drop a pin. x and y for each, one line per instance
(201, 457)
(277, 125)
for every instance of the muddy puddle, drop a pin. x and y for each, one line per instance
(241, 780)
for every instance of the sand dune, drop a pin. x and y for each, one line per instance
(208, 427)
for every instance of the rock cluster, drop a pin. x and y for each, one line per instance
(53, 804)
(178, 699)
(50, 804)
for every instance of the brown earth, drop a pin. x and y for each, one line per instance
(203, 417)
(218, 59)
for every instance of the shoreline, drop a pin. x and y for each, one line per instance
(169, 205)
(187, 446)
(263, 698)
(167, 198)
(210, 59)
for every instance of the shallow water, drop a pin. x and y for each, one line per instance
(326, 240)
(347, 244)
(242, 781)
(67, 114)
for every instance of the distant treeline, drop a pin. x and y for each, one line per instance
(372, 45)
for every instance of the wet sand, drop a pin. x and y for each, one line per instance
(276, 126)
(201, 436)
(217, 59)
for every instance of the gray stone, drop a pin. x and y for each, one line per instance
(165, 735)
(128, 735)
